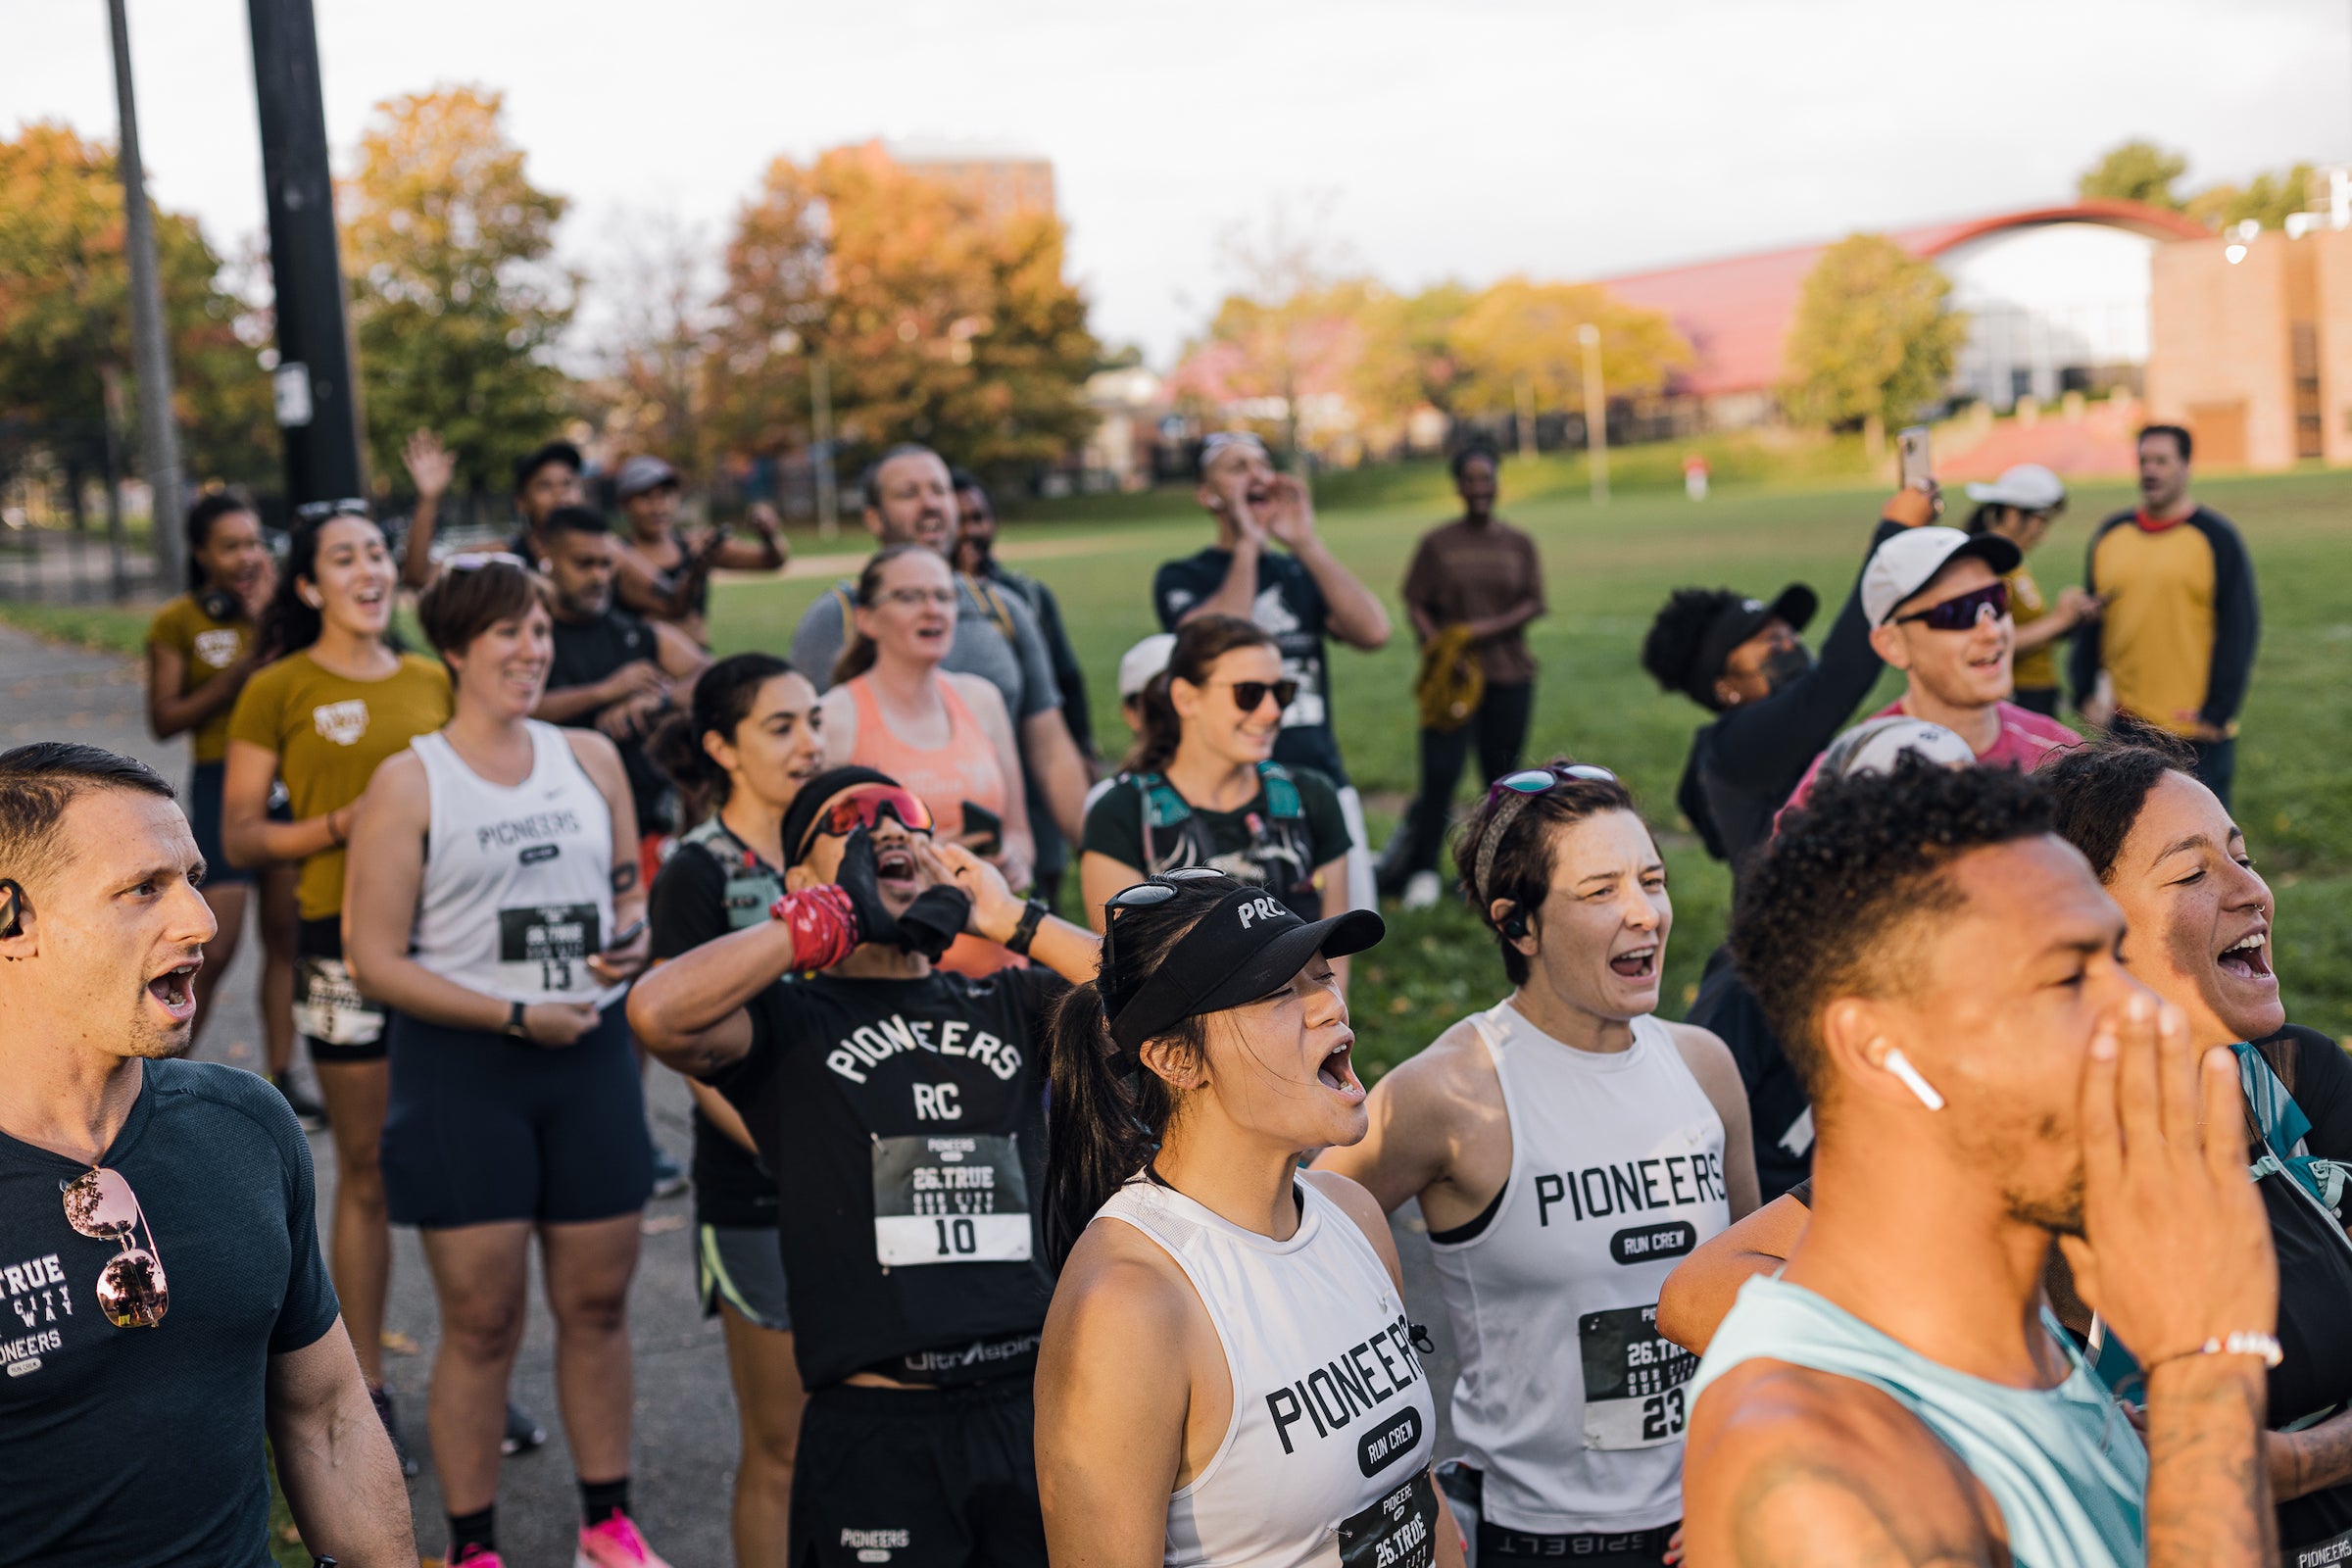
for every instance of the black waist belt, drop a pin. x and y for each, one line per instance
(960, 1365)
(1500, 1541)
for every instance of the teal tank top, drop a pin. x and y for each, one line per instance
(2063, 1466)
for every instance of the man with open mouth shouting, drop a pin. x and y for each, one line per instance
(1566, 1146)
(902, 1110)
(134, 1403)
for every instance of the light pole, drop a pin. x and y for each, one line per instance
(159, 438)
(1596, 415)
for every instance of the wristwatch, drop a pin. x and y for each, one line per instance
(1031, 919)
(514, 1024)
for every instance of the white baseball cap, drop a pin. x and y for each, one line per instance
(1908, 562)
(2028, 487)
(1872, 747)
(1147, 659)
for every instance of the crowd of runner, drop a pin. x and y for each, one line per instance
(1036, 1237)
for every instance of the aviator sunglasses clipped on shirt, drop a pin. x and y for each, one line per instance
(1963, 611)
(100, 1204)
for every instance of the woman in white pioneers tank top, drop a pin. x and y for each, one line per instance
(492, 903)
(1228, 1375)
(1566, 1147)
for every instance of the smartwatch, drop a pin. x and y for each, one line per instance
(1031, 919)
(514, 1024)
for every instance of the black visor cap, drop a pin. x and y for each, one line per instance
(1247, 945)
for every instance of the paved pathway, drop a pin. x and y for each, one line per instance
(686, 1436)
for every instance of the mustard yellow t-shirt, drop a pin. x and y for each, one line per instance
(330, 734)
(207, 646)
(2037, 669)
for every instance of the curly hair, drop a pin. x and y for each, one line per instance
(2097, 788)
(1671, 649)
(1825, 909)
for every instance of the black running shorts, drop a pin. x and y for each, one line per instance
(486, 1127)
(918, 1478)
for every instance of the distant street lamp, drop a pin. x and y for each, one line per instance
(1596, 415)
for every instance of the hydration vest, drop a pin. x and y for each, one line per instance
(1280, 855)
(752, 885)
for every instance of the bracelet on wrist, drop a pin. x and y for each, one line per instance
(2238, 1343)
(1033, 915)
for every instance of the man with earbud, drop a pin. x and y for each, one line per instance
(1299, 593)
(1945, 971)
(164, 1306)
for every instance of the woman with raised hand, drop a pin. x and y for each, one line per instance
(338, 699)
(202, 648)
(1281, 1415)
(750, 739)
(1201, 787)
(943, 736)
(493, 903)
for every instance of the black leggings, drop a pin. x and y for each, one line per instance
(1500, 730)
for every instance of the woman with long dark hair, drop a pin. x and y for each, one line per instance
(339, 698)
(942, 735)
(493, 903)
(751, 738)
(202, 648)
(1201, 787)
(1282, 1415)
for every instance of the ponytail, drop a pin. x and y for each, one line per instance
(1109, 1111)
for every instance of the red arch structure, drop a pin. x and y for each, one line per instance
(1736, 312)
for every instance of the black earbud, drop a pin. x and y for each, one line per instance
(1514, 924)
(12, 907)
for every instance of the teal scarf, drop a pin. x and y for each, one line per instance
(2284, 1128)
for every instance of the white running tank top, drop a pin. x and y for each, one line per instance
(1568, 1399)
(1332, 1416)
(517, 882)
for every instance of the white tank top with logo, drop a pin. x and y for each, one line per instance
(1569, 1400)
(1326, 1459)
(517, 881)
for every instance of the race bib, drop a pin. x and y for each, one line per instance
(1400, 1531)
(948, 1199)
(329, 1006)
(1634, 1379)
(553, 936)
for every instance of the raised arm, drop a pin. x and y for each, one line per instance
(1354, 614)
(430, 465)
(767, 553)
(1071, 952)
(334, 1459)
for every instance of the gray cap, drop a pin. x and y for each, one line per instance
(641, 473)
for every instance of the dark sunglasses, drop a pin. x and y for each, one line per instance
(1514, 791)
(100, 1204)
(1962, 612)
(864, 808)
(1249, 695)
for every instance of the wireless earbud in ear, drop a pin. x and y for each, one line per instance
(312, 598)
(12, 907)
(1514, 924)
(1901, 1065)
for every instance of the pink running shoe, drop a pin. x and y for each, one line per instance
(479, 1558)
(616, 1543)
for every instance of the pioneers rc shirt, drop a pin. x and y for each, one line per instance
(129, 1447)
(1289, 607)
(330, 732)
(905, 1123)
(206, 645)
(2178, 631)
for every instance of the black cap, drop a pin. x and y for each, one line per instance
(801, 815)
(1736, 623)
(1247, 945)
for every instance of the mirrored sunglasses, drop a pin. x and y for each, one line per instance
(1964, 610)
(100, 1204)
(864, 808)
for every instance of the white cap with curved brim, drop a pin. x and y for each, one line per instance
(1144, 661)
(2028, 487)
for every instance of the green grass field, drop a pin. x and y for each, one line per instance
(1609, 570)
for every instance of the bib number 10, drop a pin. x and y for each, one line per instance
(950, 1200)
(958, 1236)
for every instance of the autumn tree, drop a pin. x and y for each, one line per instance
(1409, 357)
(2135, 172)
(1519, 350)
(455, 302)
(64, 313)
(936, 320)
(1874, 338)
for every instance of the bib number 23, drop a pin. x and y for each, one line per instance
(1634, 1379)
(950, 1200)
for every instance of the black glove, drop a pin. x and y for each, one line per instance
(861, 879)
(936, 918)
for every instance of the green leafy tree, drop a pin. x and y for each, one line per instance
(65, 312)
(1874, 336)
(2135, 172)
(1520, 342)
(2267, 199)
(1408, 357)
(455, 302)
(936, 320)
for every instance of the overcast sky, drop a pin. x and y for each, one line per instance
(1463, 138)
